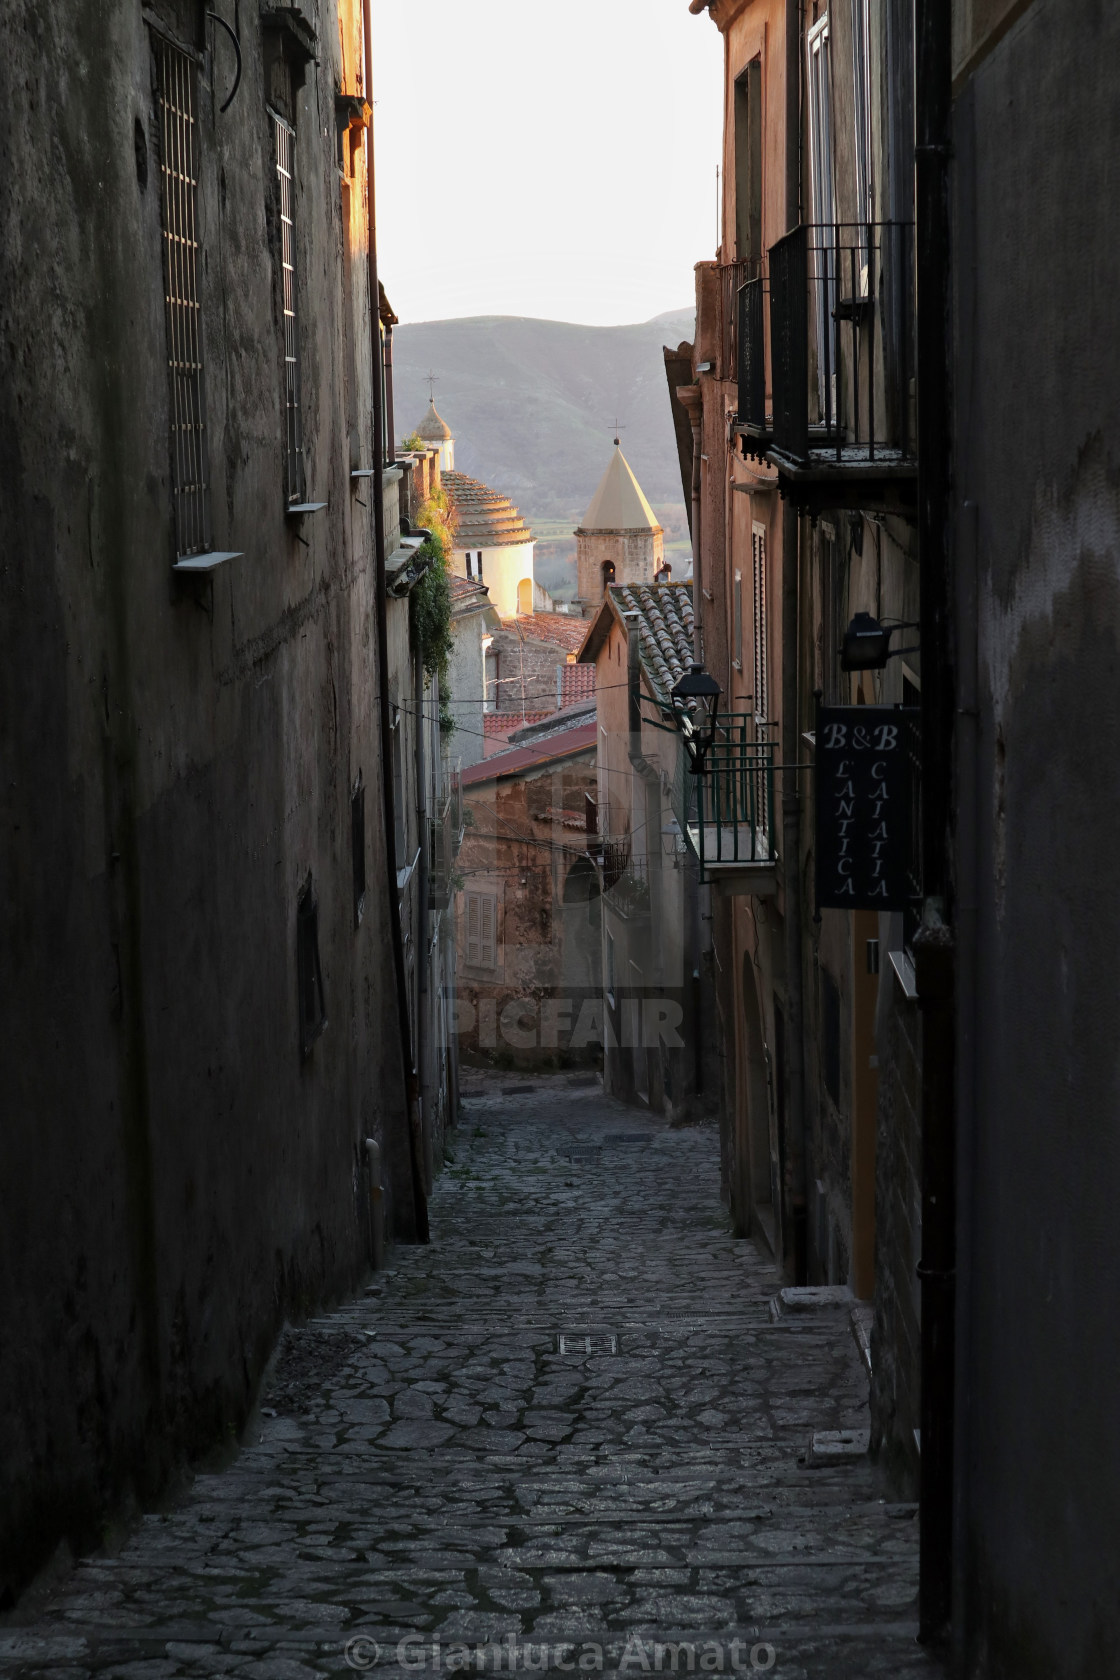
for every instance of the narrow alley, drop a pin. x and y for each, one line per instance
(570, 1432)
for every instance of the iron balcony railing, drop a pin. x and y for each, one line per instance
(841, 341)
(732, 276)
(751, 349)
(726, 812)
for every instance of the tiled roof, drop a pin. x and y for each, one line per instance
(502, 723)
(577, 682)
(564, 629)
(567, 744)
(483, 518)
(665, 626)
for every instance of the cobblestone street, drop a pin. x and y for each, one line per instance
(569, 1429)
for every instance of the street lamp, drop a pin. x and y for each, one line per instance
(867, 643)
(695, 698)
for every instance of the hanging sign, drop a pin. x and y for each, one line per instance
(863, 760)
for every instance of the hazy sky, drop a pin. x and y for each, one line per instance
(551, 160)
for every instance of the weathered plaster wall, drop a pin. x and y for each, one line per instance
(527, 1009)
(176, 759)
(1037, 376)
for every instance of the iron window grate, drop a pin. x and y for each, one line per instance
(285, 170)
(177, 94)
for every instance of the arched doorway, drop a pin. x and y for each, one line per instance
(754, 1210)
(525, 596)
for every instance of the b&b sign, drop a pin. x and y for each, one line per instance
(863, 806)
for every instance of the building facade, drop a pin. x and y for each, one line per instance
(657, 974)
(204, 1033)
(801, 448)
(529, 937)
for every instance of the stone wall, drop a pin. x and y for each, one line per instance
(180, 754)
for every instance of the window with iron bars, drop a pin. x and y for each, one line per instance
(177, 99)
(295, 477)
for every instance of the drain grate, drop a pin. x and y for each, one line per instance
(579, 1342)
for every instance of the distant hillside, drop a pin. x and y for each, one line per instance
(532, 404)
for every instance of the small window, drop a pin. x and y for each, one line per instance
(470, 574)
(480, 565)
(492, 665)
(293, 441)
(358, 847)
(608, 574)
(312, 1008)
(177, 98)
(482, 930)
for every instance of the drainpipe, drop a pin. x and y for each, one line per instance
(691, 402)
(421, 1033)
(390, 423)
(796, 1248)
(934, 946)
(411, 1085)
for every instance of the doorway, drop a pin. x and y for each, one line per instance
(755, 1154)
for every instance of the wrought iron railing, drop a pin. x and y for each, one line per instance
(752, 354)
(732, 276)
(841, 335)
(726, 812)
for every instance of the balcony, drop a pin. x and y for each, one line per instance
(732, 277)
(727, 812)
(841, 317)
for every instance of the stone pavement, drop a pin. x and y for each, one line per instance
(568, 1432)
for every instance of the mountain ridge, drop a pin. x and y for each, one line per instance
(532, 403)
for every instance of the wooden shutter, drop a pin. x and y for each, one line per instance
(473, 901)
(488, 932)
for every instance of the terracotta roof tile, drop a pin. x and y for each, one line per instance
(563, 629)
(665, 625)
(483, 518)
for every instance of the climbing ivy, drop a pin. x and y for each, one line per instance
(431, 601)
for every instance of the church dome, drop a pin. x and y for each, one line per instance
(432, 429)
(484, 518)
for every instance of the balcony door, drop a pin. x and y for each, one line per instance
(823, 254)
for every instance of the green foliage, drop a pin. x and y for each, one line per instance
(431, 600)
(413, 441)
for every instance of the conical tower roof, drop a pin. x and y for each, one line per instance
(618, 504)
(432, 429)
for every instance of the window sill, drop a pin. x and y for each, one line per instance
(198, 564)
(363, 472)
(904, 973)
(296, 510)
(404, 875)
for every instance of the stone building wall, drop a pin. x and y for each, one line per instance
(526, 1000)
(635, 556)
(177, 1172)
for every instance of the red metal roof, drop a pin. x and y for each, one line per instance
(567, 743)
